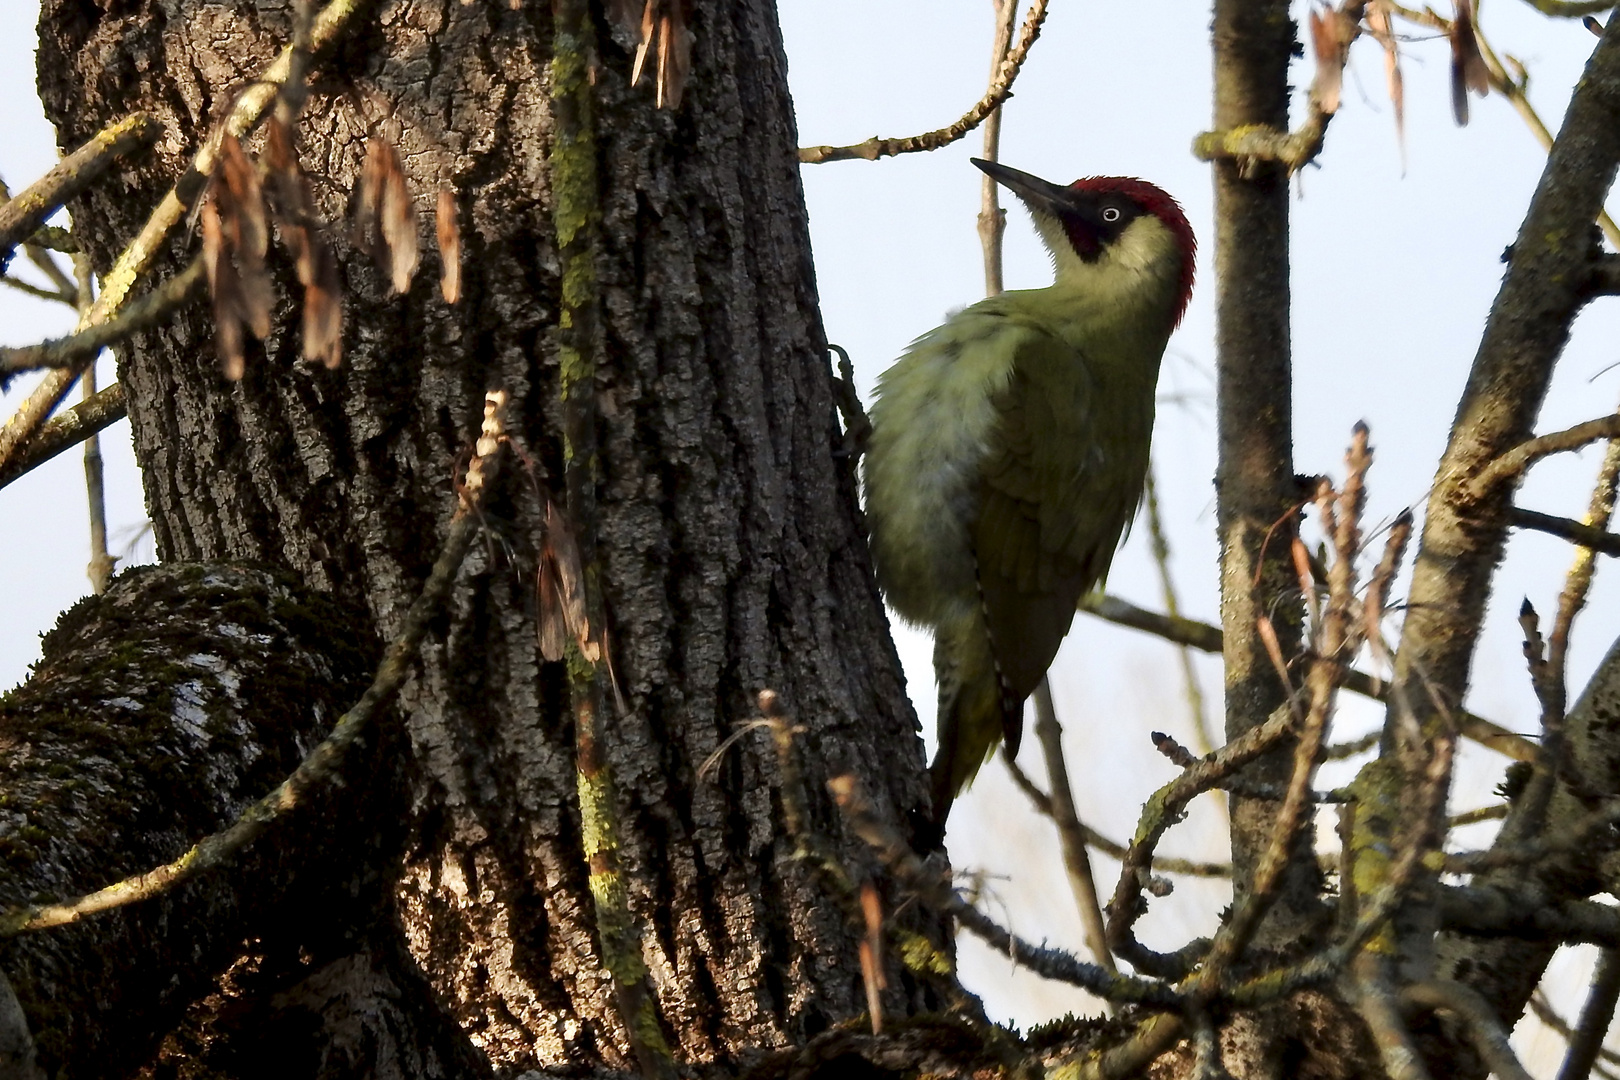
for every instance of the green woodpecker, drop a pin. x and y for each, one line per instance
(1009, 449)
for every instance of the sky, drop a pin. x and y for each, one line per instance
(1396, 260)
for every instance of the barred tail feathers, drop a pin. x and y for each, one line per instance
(976, 709)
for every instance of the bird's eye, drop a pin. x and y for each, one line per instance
(1110, 214)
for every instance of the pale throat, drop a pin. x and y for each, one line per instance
(1139, 271)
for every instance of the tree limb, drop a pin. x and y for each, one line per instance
(1512, 464)
(1587, 1040)
(1000, 90)
(1576, 532)
(74, 174)
(1208, 638)
(76, 349)
(67, 430)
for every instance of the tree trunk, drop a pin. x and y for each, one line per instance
(731, 552)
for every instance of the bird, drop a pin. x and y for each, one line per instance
(1009, 448)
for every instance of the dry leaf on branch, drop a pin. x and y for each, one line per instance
(1468, 70)
(235, 238)
(300, 229)
(664, 23)
(449, 231)
(226, 288)
(871, 955)
(562, 591)
(1382, 28)
(385, 214)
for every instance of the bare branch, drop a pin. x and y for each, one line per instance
(37, 292)
(69, 429)
(101, 566)
(1162, 864)
(1208, 638)
(1161, 811)
(250, 107)
(1546, 1014)
(1576, 532)
(74, 174)
(324, 763)
(1571, 838)
(1160, 546)
(1379, 1007)
(1472, 817)
(1512, 463)
(992, 221)
(1071, 839)
(932, 889)
(76, 349)
(1000, 90)
(1499, 910)
(1466, 1004)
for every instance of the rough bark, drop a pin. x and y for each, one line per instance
(1255, 477)
(731, 551)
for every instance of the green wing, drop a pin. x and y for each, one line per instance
(1061, 481)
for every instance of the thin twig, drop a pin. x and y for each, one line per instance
(1474, 817)
(575, 210)
(100, 569)
(1070, 837)
(1549, 1016)
(324, 763)
(1161, 811)
(1573, 837)
(1352, 747)
(1513, 463)
(1162, 864)
(1207, 638)
(35, 291)
(1374, 913)
(1254, 143)
(21, 216)
(1576, 532)
(76, 349)
(934, 890)
(992, 218)
(66, 431)
(49, 267)
(1159, 544)
(999, 91)
(1517, 93)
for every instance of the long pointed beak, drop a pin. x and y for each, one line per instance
(1037, 194)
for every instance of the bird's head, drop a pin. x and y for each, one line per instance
(1111, 228)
